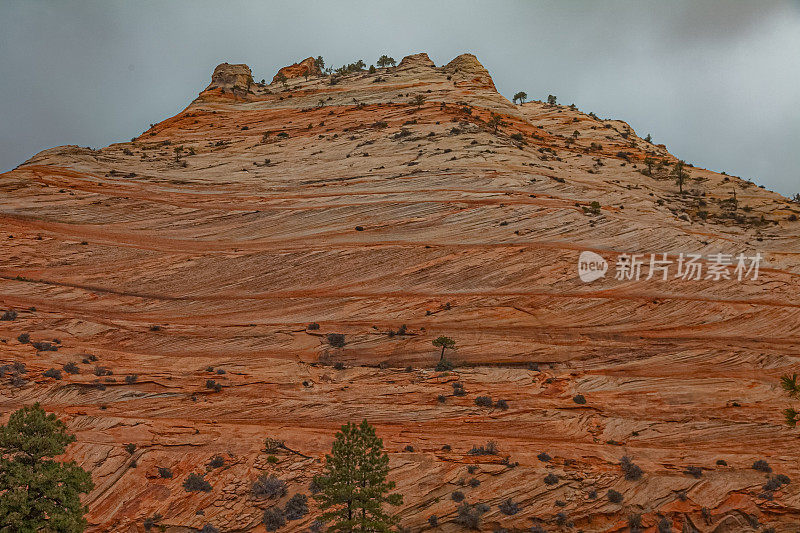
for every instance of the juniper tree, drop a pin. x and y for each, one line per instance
(551, 99)
(418, 100)
(353, 485)
(319, 63)
(37, 493)
(520, 97)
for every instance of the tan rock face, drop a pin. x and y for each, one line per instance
(228, 76)
(200, 258)
(306, 67)
(467, 67)
(416, 61)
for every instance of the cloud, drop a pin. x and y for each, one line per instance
(714, 80)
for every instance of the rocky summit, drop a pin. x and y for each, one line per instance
(276, 259)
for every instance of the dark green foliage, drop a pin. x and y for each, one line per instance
(313, 326)
(489, 449)
(165, 473)
(458, 389)
(664, 525)
(71, 368)
(52, 373)
(297, 507)
(444, 365)
(274, 519)
(694, 471)
(130, 447)
(130, 379)
(336, 340)
(520, 97)
(614, 496)
(217, 461)
(353, 485)
(267, 486)
(469, 516)
(152, 521)
(508, 507)
(579, 399)
(544, 457)
(196, 483)
(37, 493)
(501, 404)
(550, 479)
(762, 466)
(9, 315)
(385, 61)
(444, 343)
(483, 401)
(551, 99)
(208, 528)
(433, 520)
(457, 496)
(632, 471)
(24, 338)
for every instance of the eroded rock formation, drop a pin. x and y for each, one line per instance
(204, 264)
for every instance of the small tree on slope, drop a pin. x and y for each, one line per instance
(353, 486)
(37, 493)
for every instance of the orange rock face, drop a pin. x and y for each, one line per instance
(306, 67)
(205, 263)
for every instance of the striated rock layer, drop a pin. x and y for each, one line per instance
(211, 247)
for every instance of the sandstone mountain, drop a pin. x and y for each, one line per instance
(275, 261)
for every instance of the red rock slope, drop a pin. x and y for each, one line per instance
(205, 248)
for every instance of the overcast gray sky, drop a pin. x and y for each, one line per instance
(717, 81)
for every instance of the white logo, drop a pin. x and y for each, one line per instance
(591, 266)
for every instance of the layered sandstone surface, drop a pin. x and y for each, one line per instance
(211, 246)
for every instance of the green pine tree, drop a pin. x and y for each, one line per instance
(353, 485)
(37, 493)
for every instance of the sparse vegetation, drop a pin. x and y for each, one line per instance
(273, 519)
(489, 449)
(632, 471)
(196, 483)
(297, 507)
(268, 486)
(469, 516)
(520, 97)
(336, 340)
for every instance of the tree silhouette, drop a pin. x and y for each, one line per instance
(319, 63)
(353, 485)
(418, 100)
(37, 493)
(520, 97)
(551, 99)
(385, 61)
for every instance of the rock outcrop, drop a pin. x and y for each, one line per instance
(205, 263)
(468, 68)
(306, 67)
(413, 61)
(227, 76)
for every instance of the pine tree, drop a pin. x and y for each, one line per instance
(444, 343)
(353, 485)
(385, 61)
(680, 174)
(37, 493)
(520, 97)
